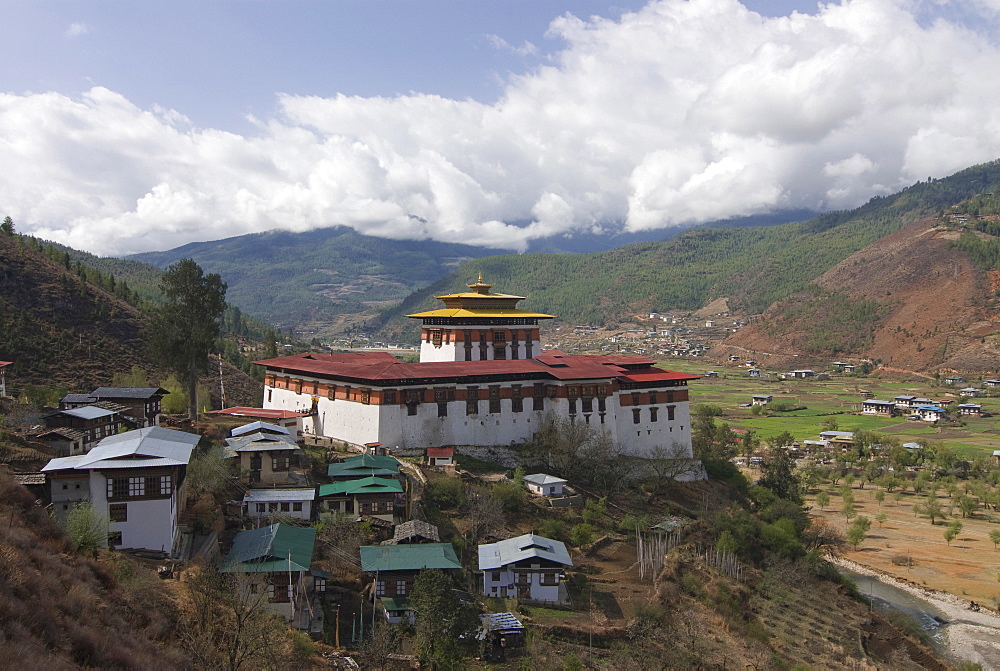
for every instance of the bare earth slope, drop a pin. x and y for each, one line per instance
(909, 300)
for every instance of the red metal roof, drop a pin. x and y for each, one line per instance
(657, 375)
(381, 366)
(261, 413)
(440, 451)
(5, 363)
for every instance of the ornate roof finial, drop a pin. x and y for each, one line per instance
(480, 287)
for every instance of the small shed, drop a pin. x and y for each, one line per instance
(544, 485)
(440, 456)
(265, 503)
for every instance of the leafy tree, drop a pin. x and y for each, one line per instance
(931, 507)
(881, 518)
(967, 505)
(880, 497)
(995, 538)
(778, 475)
(7, 227)
(952, 530)
(830, 423)
(86, 529)
(444, 624)
(822, 499)
(510, 496)
(858, 529)
(186, 326)
(848, 508)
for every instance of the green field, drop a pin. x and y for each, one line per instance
(839, 397)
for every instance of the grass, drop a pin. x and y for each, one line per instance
(478, 466)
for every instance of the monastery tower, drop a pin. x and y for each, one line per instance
(479, 326)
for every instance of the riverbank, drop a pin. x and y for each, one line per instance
(971, 635)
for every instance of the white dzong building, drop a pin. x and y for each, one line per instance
(482, 380)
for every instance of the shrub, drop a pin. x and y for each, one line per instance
(445, 493)
(553, 528)
(582, 534)
(510, 496)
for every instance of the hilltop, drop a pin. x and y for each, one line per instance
(751, 267)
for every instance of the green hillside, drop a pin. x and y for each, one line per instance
(292, 279)
(752, 266)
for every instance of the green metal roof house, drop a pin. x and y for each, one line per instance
(273, 548)
(364, 465)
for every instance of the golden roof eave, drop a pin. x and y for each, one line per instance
(478, 296)
(472, 313)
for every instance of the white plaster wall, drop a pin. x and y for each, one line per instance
(151, 525)
(444, 352)
(648, 438)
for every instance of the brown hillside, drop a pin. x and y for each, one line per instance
(909, 300)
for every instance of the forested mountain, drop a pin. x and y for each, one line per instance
(754, 267)
(318, 279)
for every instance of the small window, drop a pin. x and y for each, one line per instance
(400, 587)
(653, 414)
(118, 512)
(286, 507)
(670, 413)
(442, 409)
(115, 538)
(635, 415)
(389, 397)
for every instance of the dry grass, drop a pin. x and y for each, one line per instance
(966, 568)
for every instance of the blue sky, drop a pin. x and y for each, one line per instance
(147, 125)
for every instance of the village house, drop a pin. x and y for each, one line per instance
(266, 458)
(526, 567)
(754, 372)
(276, 561)
(482, 380)
(394, 569)
(970, 409)
(970, 392)
(260, 427)
(837, 438)
(541, 484)
(991, 383)
(802, 373)
(760, 399)
(64, 440)
(876, 407)
(954, 379)
(381, 498)
(904, 402)
(929, 413)
(440, 456)
(267, 504)
(93, 422)
(136, 480)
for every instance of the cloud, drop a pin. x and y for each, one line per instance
(526, 49)
(682, 112)
(77, 29)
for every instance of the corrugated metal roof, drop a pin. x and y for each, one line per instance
(362, 465)
(369, 485)
(278, 547)
(128, 392)
(543, 479)
(501, 553)
(256, 442)
(261, 495)
(264, 413)
(255, 427)
(88, 412)
(408, 557)
(152, 446)
(78, 398)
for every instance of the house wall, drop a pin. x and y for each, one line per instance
(151, 523)
(67, 491)
(452, 345)
(268, 476)
(252, 510)
(504, 584)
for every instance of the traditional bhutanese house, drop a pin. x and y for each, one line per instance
(265, 458)
(65, 440)
(971, 392)
(482, 380)
(913, 447)
(970, 409)
(135, 480)
(287, 419)
(414, 531)
(876, 407)
(904, 402)
(395, 567)
(363, 466)
(991, 383)
(525, 567)
(542, 484)
(838, 438)
(930, 413)
(274, 564)
(267, 504)
(954, 380)
(754, 372)
(376, 497)
(143, 403)
(803, 373)
(440, 456)
(760, 399)
(95, 423)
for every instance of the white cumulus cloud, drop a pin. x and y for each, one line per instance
(684, 111)
(77, 29)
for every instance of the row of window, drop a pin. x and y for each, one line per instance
(280, 506)
(654, 414)
(149, 486)
(400, 585)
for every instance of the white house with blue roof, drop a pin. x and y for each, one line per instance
(525, 567)
(135, 479)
